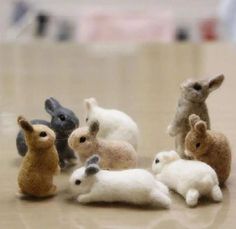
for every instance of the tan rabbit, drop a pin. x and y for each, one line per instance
(191, 101)
(40, 162)
(208, 146)
(114, 154)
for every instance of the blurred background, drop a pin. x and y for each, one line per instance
(117, 20)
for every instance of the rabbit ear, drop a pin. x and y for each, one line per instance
(215, 82)
(51, 105)
(25, 125)
(201, 127)
(90, 103)
(193, 119)
(170, 156)
(92, 169)
(94, 159)
(94, 128)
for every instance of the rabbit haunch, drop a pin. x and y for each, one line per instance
(114, 154)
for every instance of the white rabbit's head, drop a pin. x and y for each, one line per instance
(162, 159)
(83, 178)
(198, 91)
(83, 140)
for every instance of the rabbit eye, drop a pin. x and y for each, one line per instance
(197, 87)
(198, 145)
(82, 139)
(157, 161)
(86, 119)
(62, 117)
(77, 182)
(43, 134)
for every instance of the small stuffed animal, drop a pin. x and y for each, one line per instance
(40, 162)
(192, 101)
(208, 146)
(63, 122)
(134, 186)
(191, 179)
(114, 154)
(114, 124)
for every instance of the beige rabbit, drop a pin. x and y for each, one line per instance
(208, 146)
(114, 154)
(40, 162)
(191, 101)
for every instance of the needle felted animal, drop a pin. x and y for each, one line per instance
(208, 146)
(114, 154)
(40, 163)
(63, 122)
(114, 124)
(134, 186)
(191, 179)
(191, 101)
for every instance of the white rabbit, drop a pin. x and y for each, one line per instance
(134, 186)
(191, 179)
(114, 124)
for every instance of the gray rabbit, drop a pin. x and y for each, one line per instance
(63, 122)
(191, 101)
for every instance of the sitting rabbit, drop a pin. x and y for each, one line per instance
(208, 146)
(114, 154)
(114, 124)
(191, 179)
(192, 101)
(135, 186)
(40, 163)
(63, 122)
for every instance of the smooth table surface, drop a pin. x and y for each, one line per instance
(144, 82)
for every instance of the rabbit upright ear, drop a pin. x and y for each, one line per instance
(94, 128)
(92, 169)
(94, 159)
(215, 82)
(201, 127)
(51, 105)
(193, 119)
(89, 103)
(25, 125)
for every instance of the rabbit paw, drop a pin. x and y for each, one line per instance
(171, 130)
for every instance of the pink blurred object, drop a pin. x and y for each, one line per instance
(208, 29)
(126, 25)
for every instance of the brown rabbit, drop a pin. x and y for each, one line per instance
(191, 101)
(114, 154)
(40, 162)
(208, 146)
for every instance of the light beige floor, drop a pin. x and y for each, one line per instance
(140, 80)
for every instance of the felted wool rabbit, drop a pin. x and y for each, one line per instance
(63, 122)
(134, 186)
(191, 179)
(114, 154)
(114, 124)
(191, 101)
(208, 146)
(40, 163)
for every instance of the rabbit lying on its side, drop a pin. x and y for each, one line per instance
(191, 179)
(135, 186)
